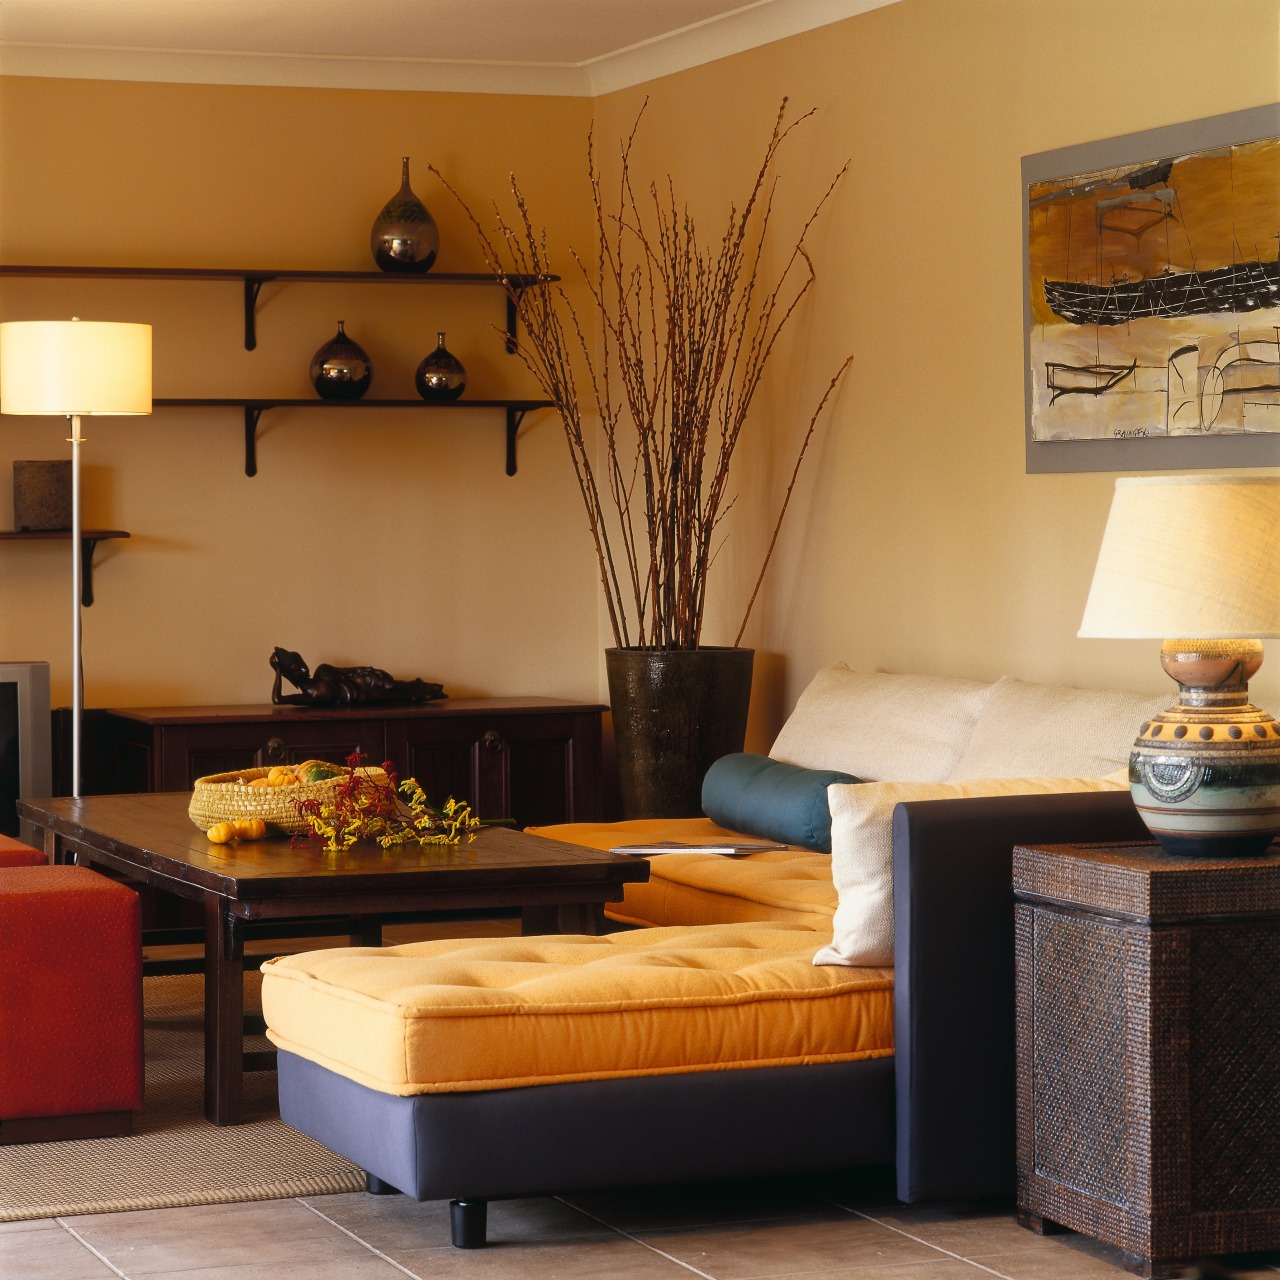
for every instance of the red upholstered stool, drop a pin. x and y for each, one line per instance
(13, 853)
(70, 1004)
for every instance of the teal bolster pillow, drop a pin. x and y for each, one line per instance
(771, 799)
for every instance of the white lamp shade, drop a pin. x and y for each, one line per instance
(1188, 557)
(67, 367)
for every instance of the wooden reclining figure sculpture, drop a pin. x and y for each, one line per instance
(331, 686)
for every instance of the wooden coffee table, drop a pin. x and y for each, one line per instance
(559, 888)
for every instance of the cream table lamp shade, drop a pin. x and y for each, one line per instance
(74, 367)
(1195, 561)
(1184, 556)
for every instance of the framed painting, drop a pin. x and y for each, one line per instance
(1151, 296)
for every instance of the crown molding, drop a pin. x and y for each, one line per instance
(181, 66)
(758, 23)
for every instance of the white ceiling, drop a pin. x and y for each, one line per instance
(578, 47)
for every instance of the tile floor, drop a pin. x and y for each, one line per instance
(837, 1227)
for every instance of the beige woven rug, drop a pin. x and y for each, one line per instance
(174, 1156)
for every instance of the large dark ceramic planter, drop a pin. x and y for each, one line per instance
(675, 712)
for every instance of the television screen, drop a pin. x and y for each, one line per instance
(10, 758)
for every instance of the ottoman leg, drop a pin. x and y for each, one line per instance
(376, 1187)
(467, 1223)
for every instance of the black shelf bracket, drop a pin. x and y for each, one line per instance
(89, 539)
(514, 418)
(514, 288)
(252, 413)
(88, 545)
(252, 287)
(513, 319)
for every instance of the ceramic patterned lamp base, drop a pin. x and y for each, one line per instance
(1205, 775)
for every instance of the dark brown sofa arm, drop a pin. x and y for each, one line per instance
(954, 1003)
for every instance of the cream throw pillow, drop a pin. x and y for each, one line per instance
(1046, 730)
(875, 726)
(862, 852)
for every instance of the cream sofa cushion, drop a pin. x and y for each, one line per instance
(862, 852)
(875, 726)
(1045, 730)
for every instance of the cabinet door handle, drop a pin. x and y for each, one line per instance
(492, 741)
(275, 749)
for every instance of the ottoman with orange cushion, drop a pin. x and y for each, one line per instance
(70, 1004)
(13, 853)
(470, 1069)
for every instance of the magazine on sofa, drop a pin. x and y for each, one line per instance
(726, 848)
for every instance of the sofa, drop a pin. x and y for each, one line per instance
(792, 1010)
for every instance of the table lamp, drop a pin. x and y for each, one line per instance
(72, 369)
(1194, 561)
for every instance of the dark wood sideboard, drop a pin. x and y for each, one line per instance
(533, 760)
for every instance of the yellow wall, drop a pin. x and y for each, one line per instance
(916, 543)
(921, 544)
(390, 537)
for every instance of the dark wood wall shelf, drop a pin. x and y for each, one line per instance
(252, 280)
(254, 409)
(89, 539)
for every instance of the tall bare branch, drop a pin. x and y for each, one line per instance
(655, 380)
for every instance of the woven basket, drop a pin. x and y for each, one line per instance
(223, 797)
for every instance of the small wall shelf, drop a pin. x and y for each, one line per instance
(89, 539)
(253, 278)
(254, 409)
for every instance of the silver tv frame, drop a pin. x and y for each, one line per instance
(35, 731)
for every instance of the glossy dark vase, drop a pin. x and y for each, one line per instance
(440, 376)
(405, 236)
(341, 369)
(675, 712)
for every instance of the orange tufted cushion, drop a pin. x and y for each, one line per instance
(492, 1013)
(787, 885)
(70, 993)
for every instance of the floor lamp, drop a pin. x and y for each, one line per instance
(74, 369)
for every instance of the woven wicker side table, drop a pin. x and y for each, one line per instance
(1148, 992)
